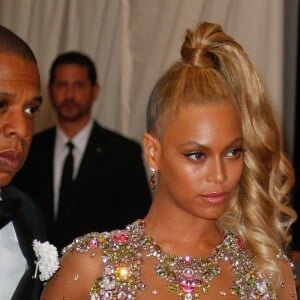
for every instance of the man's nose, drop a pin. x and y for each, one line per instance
(69, 92)
(18, 125)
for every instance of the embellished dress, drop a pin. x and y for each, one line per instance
(135, 267)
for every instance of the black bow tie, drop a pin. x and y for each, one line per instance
(8, 209)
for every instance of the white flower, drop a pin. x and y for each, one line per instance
(47, 259)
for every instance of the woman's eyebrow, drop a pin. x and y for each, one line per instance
(194, 143)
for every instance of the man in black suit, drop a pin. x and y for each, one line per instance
(20, 221)
(109, 187)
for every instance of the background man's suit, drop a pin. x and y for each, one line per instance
(110, 190)
(29, 225)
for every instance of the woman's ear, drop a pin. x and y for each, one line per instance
(151, 150)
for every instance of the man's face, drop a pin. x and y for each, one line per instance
(72, 94)
(20, 99)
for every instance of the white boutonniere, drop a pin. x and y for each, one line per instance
(47, 260)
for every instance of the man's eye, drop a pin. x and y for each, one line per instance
(235, 153)
(60, 85)
(195, 156)
(3, 104)
(31, 110)
(80, 85)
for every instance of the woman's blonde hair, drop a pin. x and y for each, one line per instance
(214, 67)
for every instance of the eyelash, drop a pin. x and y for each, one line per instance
(30, 110)
(236, 152)
(3, 103)
(33, 109)
(198, 156)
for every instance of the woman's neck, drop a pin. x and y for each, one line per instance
(179, 232)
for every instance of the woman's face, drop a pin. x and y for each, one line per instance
(200, 159)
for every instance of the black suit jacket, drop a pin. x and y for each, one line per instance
(110, 191)
(29, 225)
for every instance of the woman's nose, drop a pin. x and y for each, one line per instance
(216, 171)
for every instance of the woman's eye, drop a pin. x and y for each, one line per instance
(195, 156)
(235, 153)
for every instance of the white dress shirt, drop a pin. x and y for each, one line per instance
(12, 262)
(61, 151)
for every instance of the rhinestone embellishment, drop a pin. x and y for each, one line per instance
(124, 251)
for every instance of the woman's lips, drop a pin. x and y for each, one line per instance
(215, 197)
(10, 161)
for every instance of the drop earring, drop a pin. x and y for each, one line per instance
(153, 178)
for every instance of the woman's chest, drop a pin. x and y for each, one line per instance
(149, 278)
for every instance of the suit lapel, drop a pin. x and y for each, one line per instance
(94, 150)
(25, 238)
(47, 170)
(22, 227)
(8, 210)
(50, 175)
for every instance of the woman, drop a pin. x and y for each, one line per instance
(219, 221)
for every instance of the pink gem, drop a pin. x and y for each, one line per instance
(239, 243)
(142, 223)
(93, 244)
(187, 285)
(121, 237)
(187, 259)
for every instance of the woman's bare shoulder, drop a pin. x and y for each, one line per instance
(287, 288)
(80, 266)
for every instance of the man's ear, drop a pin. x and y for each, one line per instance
(151, 150)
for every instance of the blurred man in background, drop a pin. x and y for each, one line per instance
(84, 177)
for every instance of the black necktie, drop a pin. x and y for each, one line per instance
(66, 180)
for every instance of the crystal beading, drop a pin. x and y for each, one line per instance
(124, 252)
